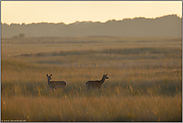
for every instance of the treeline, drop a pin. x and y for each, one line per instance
(169, 25)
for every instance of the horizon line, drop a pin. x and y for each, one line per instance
(23, 23)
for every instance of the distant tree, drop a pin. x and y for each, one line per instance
(21, 35)
(15, 36)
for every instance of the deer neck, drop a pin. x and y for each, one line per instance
(102, 80)
(48, 81)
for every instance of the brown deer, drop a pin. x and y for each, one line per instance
(96, 83)
(56, 84)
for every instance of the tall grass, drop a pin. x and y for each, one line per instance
(145, 81)
(96, 108)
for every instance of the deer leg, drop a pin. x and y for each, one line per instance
(65, 89)
(100, 89)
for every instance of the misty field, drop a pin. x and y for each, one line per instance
(145, 79)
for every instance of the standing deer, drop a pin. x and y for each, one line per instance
(56, 84)
(97, 83)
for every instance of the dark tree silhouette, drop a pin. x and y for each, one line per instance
(21, 35)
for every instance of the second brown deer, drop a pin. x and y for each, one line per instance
(56, 84)
(96, 83)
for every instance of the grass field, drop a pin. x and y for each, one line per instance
(145, 79)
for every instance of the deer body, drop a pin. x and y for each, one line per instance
(97, 83)
(56, 84)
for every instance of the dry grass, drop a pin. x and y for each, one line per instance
(145, 79)
(97, 108)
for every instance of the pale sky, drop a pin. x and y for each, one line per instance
(71, 11)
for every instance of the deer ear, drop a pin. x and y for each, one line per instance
(51, 75)
(46, 74)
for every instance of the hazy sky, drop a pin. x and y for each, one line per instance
(71, 11)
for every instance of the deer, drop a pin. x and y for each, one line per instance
(96, 83)
(56, 84)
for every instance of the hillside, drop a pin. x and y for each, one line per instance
(169, 25)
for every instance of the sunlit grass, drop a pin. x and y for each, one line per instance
(145, 81)
(97, 108)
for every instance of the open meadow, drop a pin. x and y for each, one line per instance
(145, 79)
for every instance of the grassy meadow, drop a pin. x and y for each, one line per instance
(145, 79)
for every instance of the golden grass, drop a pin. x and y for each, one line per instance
(145, 79)
(37, 45)
(98, 108)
